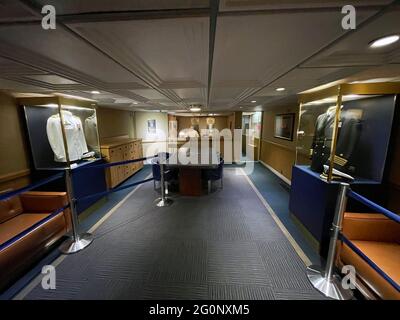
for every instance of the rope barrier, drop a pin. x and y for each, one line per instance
(369, 262)
(35, 185)
(95, 195)
(19, 236)
(112, 164)
(373, 206)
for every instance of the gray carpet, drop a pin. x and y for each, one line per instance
(221, 246)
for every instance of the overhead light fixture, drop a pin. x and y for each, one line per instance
(253, 101)
(280, 89)
(135, 102)
(95, 92)
(384, 41)
(195, 109)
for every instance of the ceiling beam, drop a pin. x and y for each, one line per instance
(213, 28)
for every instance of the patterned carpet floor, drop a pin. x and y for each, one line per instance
(219, 246)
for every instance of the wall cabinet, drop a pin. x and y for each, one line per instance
(121, 149)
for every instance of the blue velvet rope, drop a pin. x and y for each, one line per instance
(100, 194)
(19, 236)
(112, 164)
(35, 185)
(370, 262)
(373, 206)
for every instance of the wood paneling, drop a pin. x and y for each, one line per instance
(279, 157)
(113, 123)
(278, 153)
(14, 159)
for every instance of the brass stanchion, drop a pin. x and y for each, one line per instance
(326, 280)
(78, 241)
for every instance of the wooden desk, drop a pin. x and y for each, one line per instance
(190, 166)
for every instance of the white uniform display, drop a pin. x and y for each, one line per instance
(92, 138)
(74, 135)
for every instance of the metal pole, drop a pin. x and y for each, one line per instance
(163, 201)
(78, 241)
(324, 279)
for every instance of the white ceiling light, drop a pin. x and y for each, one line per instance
(95, 92)
(134, 102)
(195, 109)
(253, 101)
(280, 89)
(384, 41)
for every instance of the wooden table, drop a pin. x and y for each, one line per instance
(190, 165)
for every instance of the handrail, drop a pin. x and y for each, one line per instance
(34, 185)
(373, 206)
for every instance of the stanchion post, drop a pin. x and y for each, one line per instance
(324, 279)
(163, 201)
(78, 241)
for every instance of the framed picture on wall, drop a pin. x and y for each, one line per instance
(284, 126)
(151, 126)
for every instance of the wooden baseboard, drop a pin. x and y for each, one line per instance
(277, 173)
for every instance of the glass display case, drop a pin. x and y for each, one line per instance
(62, 132)
(344, 131)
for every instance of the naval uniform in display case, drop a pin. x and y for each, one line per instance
(74, 135)
(349, 131)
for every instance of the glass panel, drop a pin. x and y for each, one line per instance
(46, 137)
(363, 136)
(315, 135)
(84, 141)
(364, 131)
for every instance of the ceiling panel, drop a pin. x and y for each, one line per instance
(84, 6)
(261, 48)
(354, 49)
(11, 10)
(64, 49)
(166, 50)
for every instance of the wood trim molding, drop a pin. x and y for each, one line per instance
(14, 175)
(279, 145)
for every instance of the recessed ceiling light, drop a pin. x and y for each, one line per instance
(95, 92)
(253, 101)
(135, 102)
(384, 41)
(195, 109)
(280, 89)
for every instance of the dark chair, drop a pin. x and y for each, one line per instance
(169, 174)
(214, 174)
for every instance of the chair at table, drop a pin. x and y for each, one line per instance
(210, 175)
(169, 174)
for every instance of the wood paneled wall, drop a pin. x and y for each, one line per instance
(14, 154)
(278, 153)
(114, 123)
